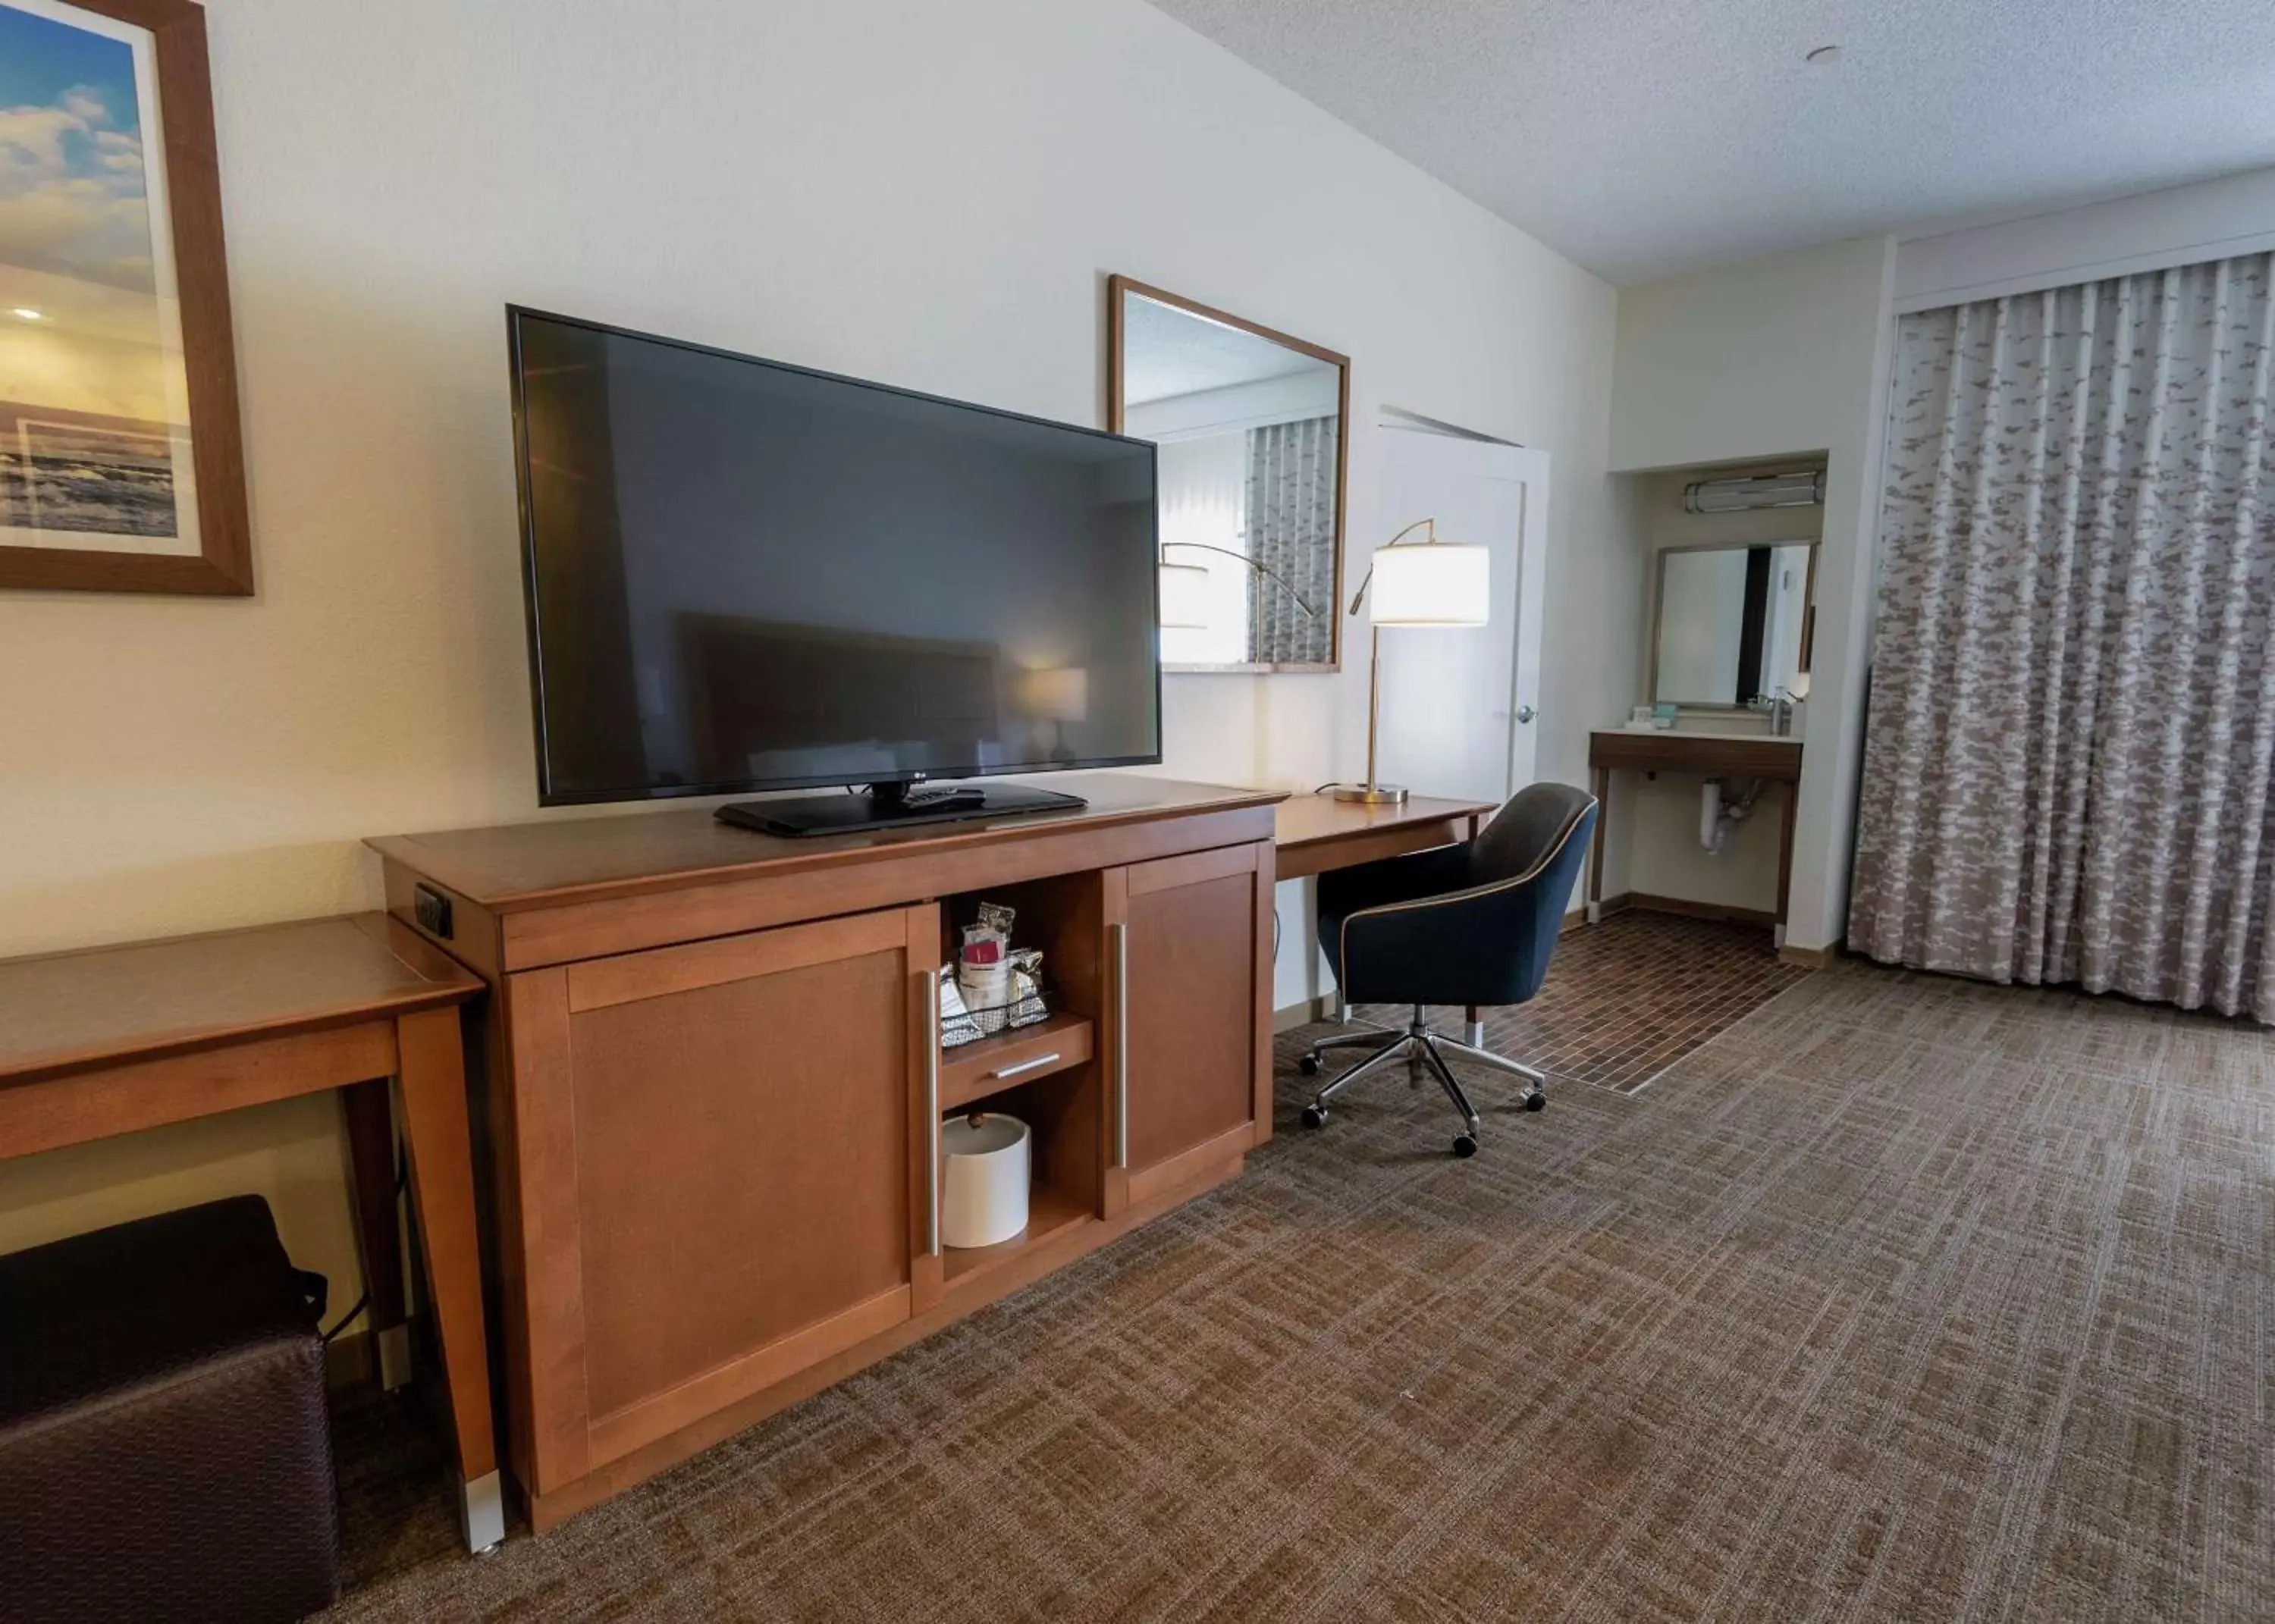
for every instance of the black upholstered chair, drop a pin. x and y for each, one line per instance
(1472, 924)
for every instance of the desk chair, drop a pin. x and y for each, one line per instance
(1469, 924)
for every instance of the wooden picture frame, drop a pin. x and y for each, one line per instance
(1118, 288)
(209, 550)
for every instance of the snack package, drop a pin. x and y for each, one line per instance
(1026, 999)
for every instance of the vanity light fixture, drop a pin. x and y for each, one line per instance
(1744, 494)
(1425, 583)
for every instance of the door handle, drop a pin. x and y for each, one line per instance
(1117, 940)
(932, 1112)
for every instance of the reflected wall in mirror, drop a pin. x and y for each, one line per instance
(1733, 623)
(1253, 428)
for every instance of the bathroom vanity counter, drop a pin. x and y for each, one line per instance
(1702, 754)
(1710, 755)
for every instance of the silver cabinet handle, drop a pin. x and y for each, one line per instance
(1525, 713)
(1004, 1074)
(1118, 939)
(932, 1112)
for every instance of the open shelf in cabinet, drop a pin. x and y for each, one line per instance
(1049, 1211)
(1063, 1113)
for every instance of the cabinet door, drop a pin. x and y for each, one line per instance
(718, 1149)
(1188, 952)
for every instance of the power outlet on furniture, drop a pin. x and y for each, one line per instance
(433, 911)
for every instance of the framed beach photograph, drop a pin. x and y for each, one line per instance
(121, 457)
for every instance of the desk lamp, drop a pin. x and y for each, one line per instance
(1425, 583)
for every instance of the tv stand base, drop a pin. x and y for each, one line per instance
(856, 810)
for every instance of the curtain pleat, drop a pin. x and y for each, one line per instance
(2072, 734)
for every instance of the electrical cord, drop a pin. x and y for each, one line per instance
(402, 1183)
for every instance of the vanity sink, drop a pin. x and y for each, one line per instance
(1747, 735)
(1704, 754)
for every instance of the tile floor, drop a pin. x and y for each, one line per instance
(1627, 998)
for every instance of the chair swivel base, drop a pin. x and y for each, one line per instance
(1422, 1049)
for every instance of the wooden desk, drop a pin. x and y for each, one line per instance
(1315, 833)
(114, 1040)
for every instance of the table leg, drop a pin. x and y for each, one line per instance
(370, 1151)
(1472, 1014)
(1596, 857)
(1785, 858)
(433, 1078)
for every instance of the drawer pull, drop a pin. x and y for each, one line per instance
(1005, 1073)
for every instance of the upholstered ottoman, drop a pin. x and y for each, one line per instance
(163, 1449)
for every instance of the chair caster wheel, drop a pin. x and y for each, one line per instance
(1315, 1116)
(1464, 1145)
(1309, 1065)
(1536, 1101)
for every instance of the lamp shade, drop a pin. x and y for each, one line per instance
(1433, 583)
(1185, 598)
(1062, 693)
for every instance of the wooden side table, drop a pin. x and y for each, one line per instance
(110, 1040)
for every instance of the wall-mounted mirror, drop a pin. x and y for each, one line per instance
(1733, 623)
(1253, 426)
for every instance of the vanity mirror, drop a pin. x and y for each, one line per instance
(1732, 624)
(1253, 426)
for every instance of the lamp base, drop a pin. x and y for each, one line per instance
(1369, 795)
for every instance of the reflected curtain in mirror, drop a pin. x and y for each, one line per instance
(1291, 533)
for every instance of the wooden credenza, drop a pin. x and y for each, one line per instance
(708, 1116)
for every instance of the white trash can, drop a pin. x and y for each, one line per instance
(983, 1181)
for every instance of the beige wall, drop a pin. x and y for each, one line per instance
(930, 195)
(1760, 360)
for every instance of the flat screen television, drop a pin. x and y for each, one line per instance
(743, 576)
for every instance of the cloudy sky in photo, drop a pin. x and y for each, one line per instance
(72, 188)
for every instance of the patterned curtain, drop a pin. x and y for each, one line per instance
(1291, 532)
(2071, 733)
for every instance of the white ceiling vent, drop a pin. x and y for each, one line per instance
(1763, 490)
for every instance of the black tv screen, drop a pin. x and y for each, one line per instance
(743, 575)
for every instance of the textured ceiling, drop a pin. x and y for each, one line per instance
(1648, 137)
(1170, 352)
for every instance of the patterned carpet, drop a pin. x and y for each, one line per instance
(1906, 1298)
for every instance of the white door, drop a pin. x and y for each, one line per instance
(1460, 707)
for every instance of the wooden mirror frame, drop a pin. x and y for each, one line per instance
(223, 564)
(1658, 614)
(1117, 287)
